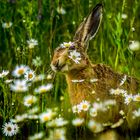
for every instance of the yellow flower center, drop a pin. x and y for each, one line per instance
(57, 135)
(84, 106)
(117, 92)
(129, 99)
(8, 25)
(74, 57)
(31, 45)
(46, 118)
(9, 129)
(30, 101)
(30, 76)
(21, 71)
(94, 127)
(20, 88)
(42, 90)
(137, 98)
(67, 45)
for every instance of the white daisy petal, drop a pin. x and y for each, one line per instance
(44, 88)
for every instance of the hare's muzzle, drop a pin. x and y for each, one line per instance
(56, 66)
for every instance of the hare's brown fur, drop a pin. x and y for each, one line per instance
(106, 80)
(100, 90)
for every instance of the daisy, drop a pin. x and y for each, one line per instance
(7, 25)
(29, 75)
(118, 91)
(133, 29)
(98, 106)
(49, 77)
(20, 70)
(44, 88)
(122, 112)
(16, 129)
(75, 56)
(134, 45)
(66, 44)
(10, 129)
(61, 10)
(32, 43)
(46, 116)
(34, 110)
(32, 117)
(128, 99)
(21, 118)
(29, 100)
(84, 105)
(8, 81)
(19, 86)
(13, 120)
(78, 81)
(4, 73)
(124, 16)
(136, 113)
(93, 112)
(95, 127)
(37, 136)
(137, 97)
(93, 80)
(39, 77)
(57, 134)
(78, 121)
(76, 109)
(101, 106)
(109, 103)
(58, 122)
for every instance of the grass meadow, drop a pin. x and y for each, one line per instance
(34, 103)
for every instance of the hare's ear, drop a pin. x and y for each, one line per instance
(89, 27)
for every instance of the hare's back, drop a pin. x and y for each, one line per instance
(115, 80)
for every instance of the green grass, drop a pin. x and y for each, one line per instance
(40, 20)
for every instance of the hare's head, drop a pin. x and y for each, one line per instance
(72, 55)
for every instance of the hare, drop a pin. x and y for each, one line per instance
(97, 83)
